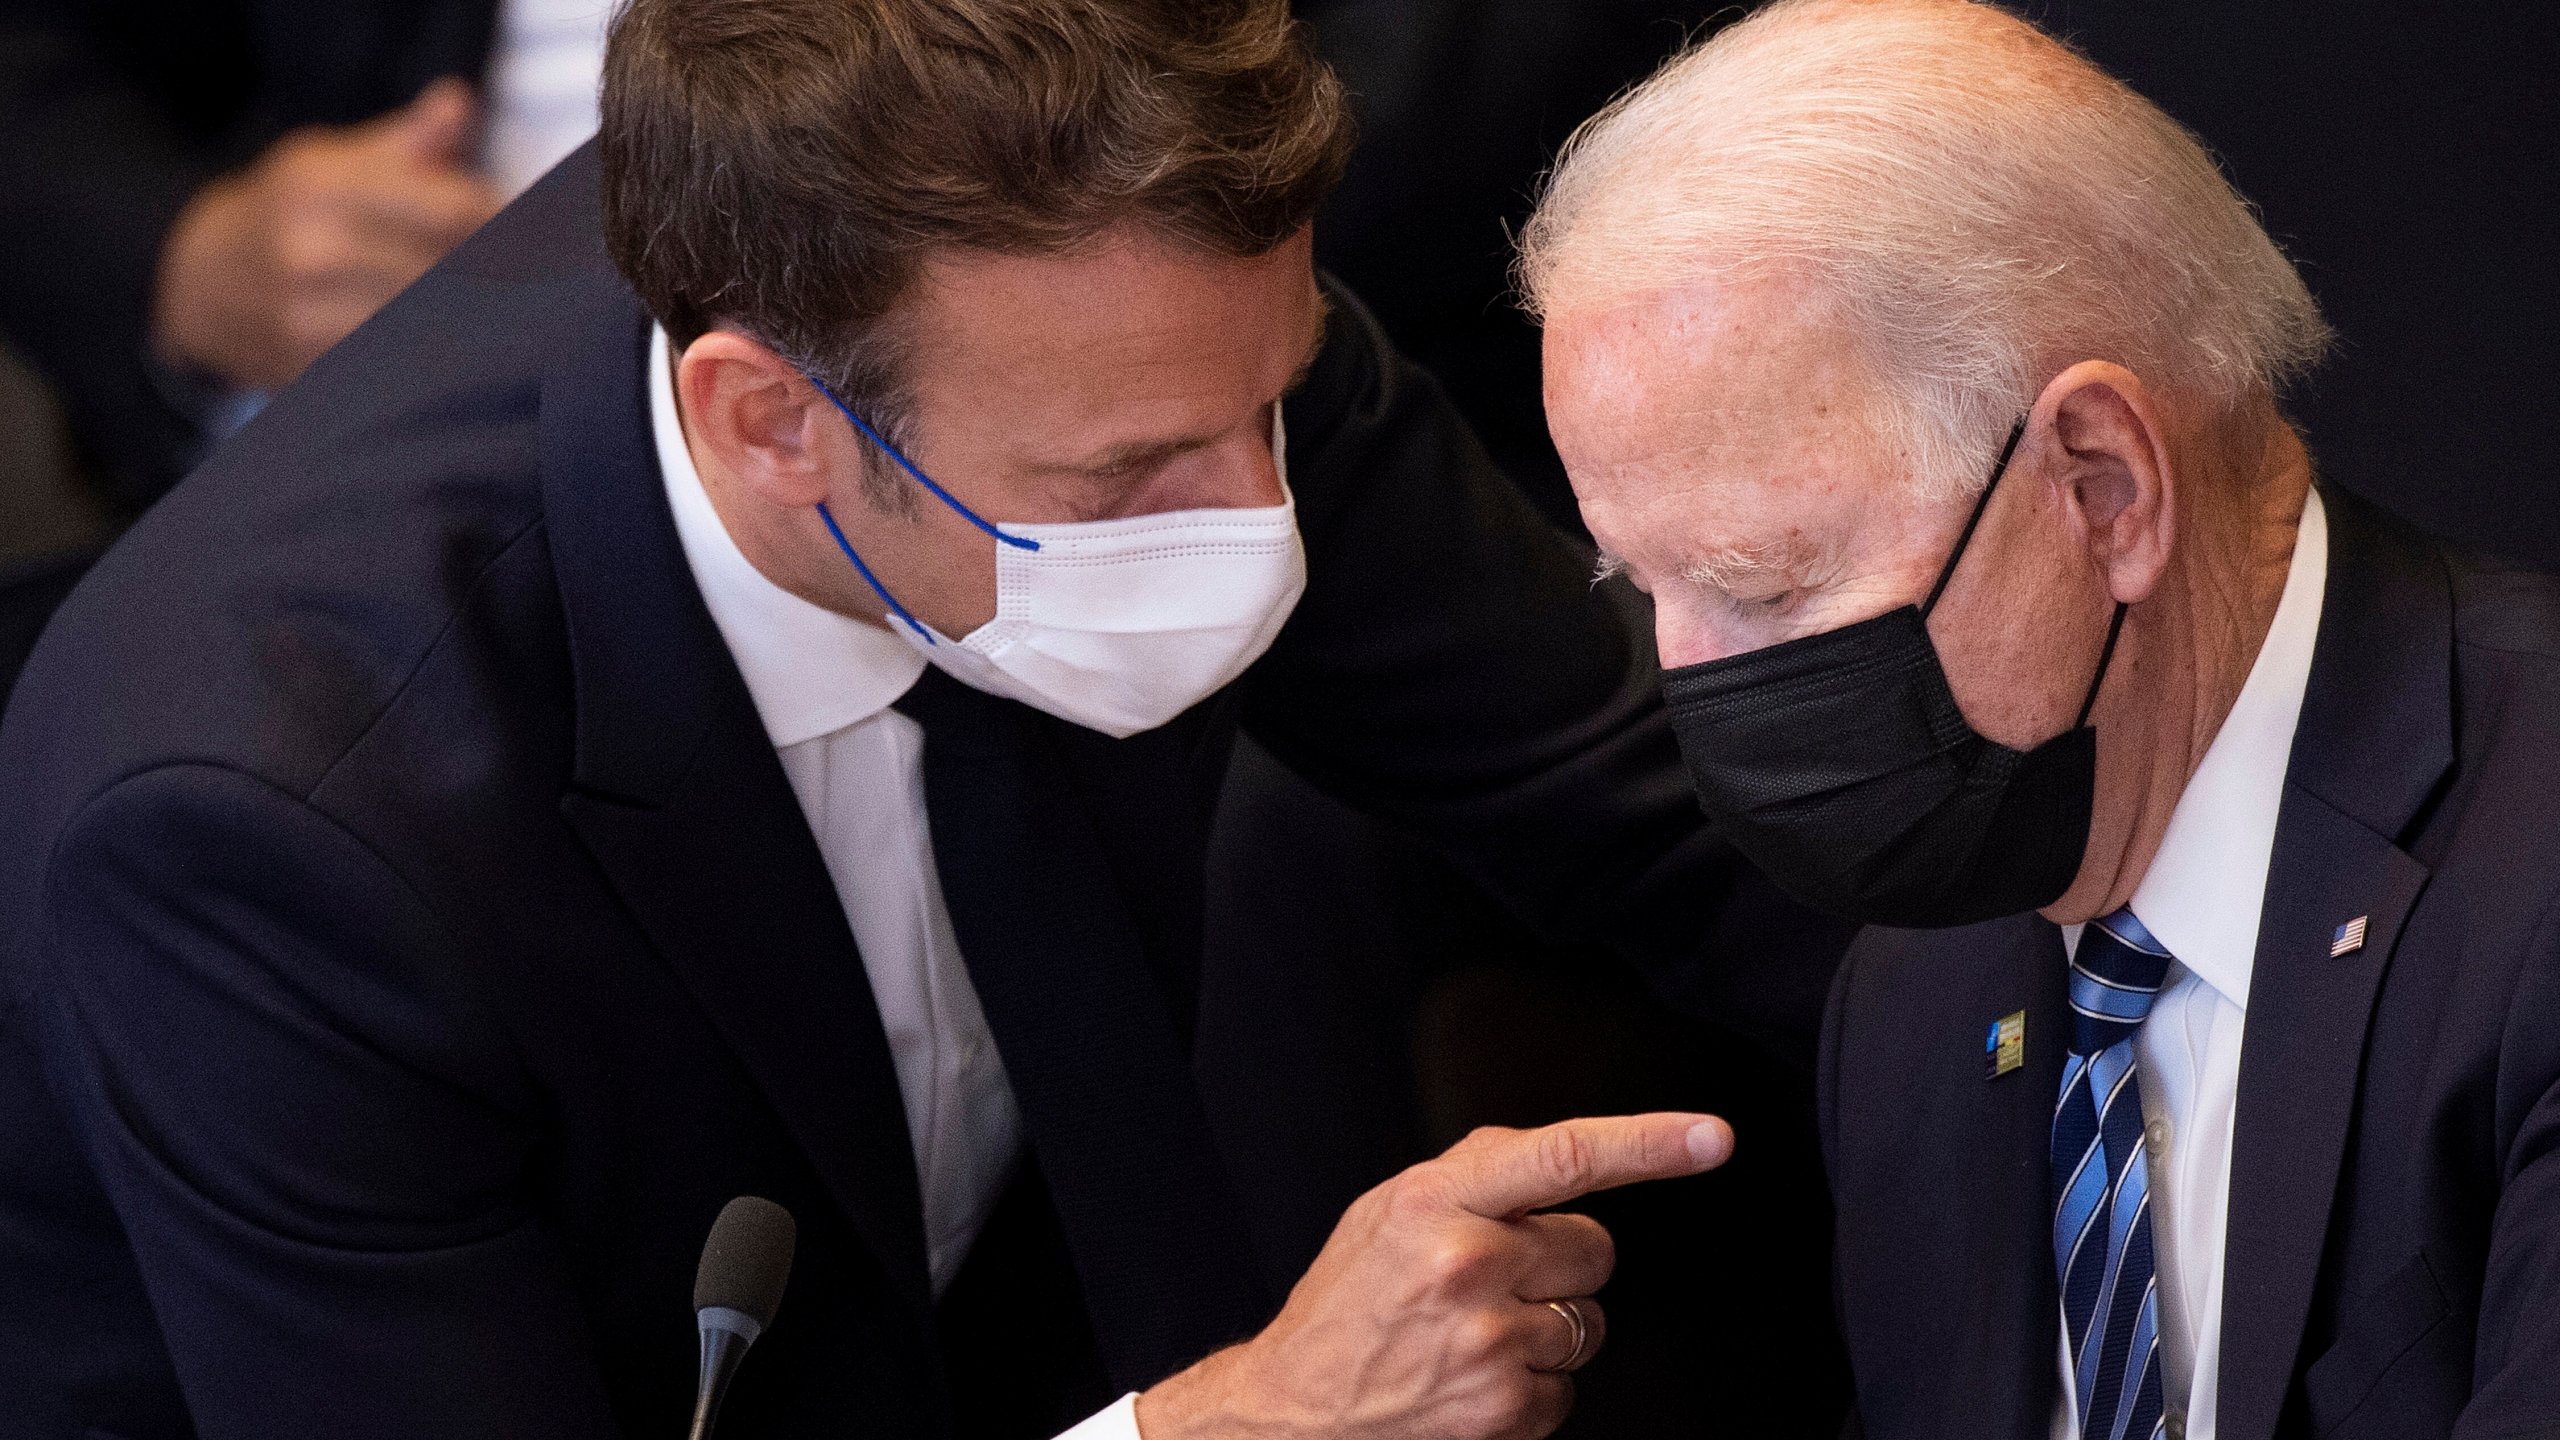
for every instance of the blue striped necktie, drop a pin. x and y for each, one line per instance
(2102, 1192)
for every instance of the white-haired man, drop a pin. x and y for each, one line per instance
(1929, 381)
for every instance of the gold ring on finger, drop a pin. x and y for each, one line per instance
(1571, 1310)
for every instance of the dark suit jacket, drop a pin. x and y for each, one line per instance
(2393, 1260)
(410, 940)
(117, 111)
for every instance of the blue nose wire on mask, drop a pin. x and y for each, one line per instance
(945, 496)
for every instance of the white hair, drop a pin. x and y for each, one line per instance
(1977, 203)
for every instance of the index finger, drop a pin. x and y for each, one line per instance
(440, 207)
(1507, 1175)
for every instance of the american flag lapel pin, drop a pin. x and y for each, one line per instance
(2349, 939)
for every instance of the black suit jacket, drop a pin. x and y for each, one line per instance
(410, 939)
(2393, 1259)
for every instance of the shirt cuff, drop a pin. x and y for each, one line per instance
(1120, 1422)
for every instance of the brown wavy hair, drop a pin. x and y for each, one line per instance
(785, 166)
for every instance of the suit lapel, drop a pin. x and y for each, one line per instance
(2374, 741)
(2017, 1318)
(2308, 1016)
(681, 801)
(728, 885)
(1089, 1039)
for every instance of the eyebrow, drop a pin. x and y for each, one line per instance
(1733, 567)
(1144, 454)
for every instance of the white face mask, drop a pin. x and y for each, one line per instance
(1117, 625)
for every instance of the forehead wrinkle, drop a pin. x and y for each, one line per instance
(1160, 449)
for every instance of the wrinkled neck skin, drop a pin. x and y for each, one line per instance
(2188, 646)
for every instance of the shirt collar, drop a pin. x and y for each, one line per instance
(2203, 893)
(810, 670)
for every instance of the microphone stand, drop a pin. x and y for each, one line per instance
(726, 1334)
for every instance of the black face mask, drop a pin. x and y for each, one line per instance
(1840, 765)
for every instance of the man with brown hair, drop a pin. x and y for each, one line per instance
(577, 759)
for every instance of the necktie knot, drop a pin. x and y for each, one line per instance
(2115, 975)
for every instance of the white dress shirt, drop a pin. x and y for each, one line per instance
(546, 64)
(2201, 899)
(823, 684)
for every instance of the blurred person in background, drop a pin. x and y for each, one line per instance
(199, 198)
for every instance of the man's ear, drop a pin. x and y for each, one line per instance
(757, 418)
(2109, 455)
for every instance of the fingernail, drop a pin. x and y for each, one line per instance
(1710, 1143)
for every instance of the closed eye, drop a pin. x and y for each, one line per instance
(1127, 469)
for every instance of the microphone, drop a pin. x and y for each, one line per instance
(735, 1292)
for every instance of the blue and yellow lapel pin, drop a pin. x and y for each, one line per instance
(2005, 1048)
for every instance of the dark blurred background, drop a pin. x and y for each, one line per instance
(2404, 156)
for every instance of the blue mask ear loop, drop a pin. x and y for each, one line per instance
(872, 580)
(876, 438)
(923, 479)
